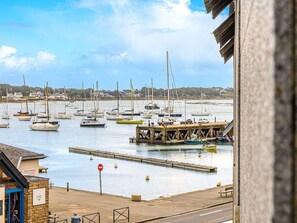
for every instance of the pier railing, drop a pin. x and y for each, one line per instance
(91, 218)
(121, 214)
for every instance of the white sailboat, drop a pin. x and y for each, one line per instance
(96, 112)
(201, 113)
(63, 115)
(114, 115)
(26, 113)
(45, 125)
(151, 105)
(129, 120)
(5, 114)
(81, 112)
(168, 111)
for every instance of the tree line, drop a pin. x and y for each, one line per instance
(180, 93)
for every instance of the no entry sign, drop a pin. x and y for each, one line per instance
(100, 167)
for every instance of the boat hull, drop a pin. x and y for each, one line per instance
(4, 125)
(24, 118)
(99, 125)
(193, 142)
(130, 122)
(171, 115)
(200, 114)
(44, 127)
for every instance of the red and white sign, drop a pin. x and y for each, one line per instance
(100, 167)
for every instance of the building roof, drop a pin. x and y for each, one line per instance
(224, 34)
(4, 160)
(15, 155)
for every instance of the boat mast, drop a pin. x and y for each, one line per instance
(168, 86)
(118, 98)
(84, 96)
(131, 98)
(46, 98)
(6, 101)
(27, 108)
(97, 95)
(152, 91)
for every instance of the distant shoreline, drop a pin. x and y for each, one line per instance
(114, 99)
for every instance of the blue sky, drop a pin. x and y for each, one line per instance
(67, 42)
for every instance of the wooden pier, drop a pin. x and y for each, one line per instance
(154, 161)
(175, 134)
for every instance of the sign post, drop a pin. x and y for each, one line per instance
(100, 168)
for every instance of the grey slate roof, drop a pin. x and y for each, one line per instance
(14, 154)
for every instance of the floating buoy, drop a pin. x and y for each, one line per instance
(116, 166)
(91, 158)
(147, 178)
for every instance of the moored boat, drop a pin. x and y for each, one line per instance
(210, 148)
(129, 122)
(45, 125)
(91, 122)
(24, 118)
(4, 125)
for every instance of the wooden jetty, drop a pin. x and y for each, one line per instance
(175, 134)
(154, 161)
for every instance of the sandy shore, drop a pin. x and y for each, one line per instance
(64, 203)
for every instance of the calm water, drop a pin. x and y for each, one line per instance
(129, 177)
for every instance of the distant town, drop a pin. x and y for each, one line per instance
(17, 93)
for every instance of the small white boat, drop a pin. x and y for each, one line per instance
(4, 125)
(201, 114)
(6, 116)
(147, 115)
(114, 117)
(24, 118)
(91, 122)
(45, 126)
(81, 113)
(42, 115)
(62, 115)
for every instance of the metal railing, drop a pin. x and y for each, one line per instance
(121, 214)
(91, 218)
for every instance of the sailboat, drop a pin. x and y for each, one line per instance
(151, 105)
(96, 112)
(63, 115)
(168, 111)
(26, 113)
(5, 112)
(202, 113)
(114, 115)
(130, 120)
(92, 120)
(81, 112)
(45, 125)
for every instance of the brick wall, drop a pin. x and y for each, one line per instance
(37, 213)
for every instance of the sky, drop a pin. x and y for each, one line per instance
(67, 42)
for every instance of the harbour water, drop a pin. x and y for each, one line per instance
(129, 177)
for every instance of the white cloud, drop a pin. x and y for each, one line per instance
(148, 28)
(9, 59)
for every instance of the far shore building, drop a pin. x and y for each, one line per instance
(20, 187)
(36, 95)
